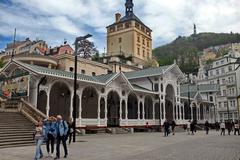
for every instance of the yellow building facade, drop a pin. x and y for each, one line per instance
(129, 37)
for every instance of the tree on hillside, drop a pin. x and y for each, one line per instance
(186, 49)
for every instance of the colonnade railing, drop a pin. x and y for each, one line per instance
(22, 106)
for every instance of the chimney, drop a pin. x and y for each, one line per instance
(117, 17)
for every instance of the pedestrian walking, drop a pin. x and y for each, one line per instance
(233, 126)
(70, 130)
(51, 133)
(236, 128)
(39, 137)
(188, 124)
(192, 127)
(222, 126)
(62, 130)
(229, 127)
(207, 127)
(173, 127)
(217, 126)
(166, 128)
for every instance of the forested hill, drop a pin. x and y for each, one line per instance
(187, 49)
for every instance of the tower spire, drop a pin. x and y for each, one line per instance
(194, 29)
(129, 7)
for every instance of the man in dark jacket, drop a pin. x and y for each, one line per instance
(207, 127)
(229, 127)
(173, 127)
(192, 127)
(62, 130)
(166, 128)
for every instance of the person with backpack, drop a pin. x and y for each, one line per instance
(61, 130)
(50, 124)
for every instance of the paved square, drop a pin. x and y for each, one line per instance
(143, 146)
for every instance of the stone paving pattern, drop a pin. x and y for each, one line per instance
(143, 146)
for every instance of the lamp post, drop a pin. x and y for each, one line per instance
(189, 101)
(76, 43)
(14, 41)
(228, 114)
(238, 108)
(160, 114)
(214, 112)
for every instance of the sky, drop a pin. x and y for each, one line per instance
(57, 20)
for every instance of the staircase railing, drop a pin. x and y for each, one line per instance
(32, 113)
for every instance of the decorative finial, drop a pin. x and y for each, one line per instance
(129, 7)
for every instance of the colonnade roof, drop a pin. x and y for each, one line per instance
(101, 79)
(149, 72)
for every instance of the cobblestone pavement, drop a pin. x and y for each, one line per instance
(143, 146)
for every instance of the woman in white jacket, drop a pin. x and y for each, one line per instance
(39, 139)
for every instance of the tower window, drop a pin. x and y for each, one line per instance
(119, 40)
(112, 29)
(137, 25)
(143, 41)
(83, 71)
(127, 25)
(71, 69)
(138, 51)
(148, 44)
(119, 27)
(138, 39)
(143, 53)
(93, 74)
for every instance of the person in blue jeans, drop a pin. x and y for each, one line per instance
(62, 130)
(39, 139)
(51, 134)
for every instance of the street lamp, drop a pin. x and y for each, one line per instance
(238, 108)
(228, 112)
(214, 112)
(189, 101)
(76, 43)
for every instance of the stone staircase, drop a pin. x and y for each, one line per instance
(17, 119)
(15, 130)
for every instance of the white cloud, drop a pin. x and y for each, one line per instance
(55, 20)
(64, 24)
